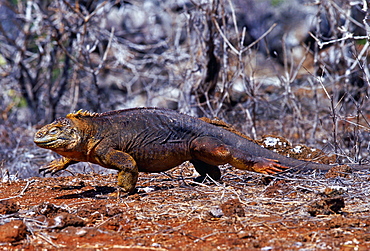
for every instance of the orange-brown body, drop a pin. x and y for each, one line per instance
(154, 140)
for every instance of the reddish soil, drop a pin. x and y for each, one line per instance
(292, 211)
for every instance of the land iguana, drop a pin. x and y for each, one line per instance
(155, 140)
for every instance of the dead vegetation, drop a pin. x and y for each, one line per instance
(169, 211)
(302, 66)
(295, 69)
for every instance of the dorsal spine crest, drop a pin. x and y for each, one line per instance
(82, 113)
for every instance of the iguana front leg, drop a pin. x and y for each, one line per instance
(214, 152)
(57, 165)
(121, 161)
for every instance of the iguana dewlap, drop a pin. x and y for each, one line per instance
(154, 140)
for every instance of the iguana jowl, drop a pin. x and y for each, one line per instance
(154, 140)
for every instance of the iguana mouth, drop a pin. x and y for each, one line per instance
(44, 143)
(48, 143)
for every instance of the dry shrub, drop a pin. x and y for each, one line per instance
(298, 70)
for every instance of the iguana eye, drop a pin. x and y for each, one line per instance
(53, 131)
(74, 133)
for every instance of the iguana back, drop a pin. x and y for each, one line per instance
(154, 140)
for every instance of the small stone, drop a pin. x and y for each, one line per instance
(244, 234)
(8, 207)
(233, 207)
(66, 219)
(13, 231)
(216, 212)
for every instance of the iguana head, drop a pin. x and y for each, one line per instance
(60, 135)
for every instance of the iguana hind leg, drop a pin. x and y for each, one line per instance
(203, 169)
(214, 152)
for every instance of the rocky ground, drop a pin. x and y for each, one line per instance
(169, 211)
(313, 93)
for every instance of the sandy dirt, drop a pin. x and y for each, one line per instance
(169, 211)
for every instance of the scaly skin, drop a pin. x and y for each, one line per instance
(155, 140)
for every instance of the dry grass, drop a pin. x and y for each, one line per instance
(170, 211)
(202, 59)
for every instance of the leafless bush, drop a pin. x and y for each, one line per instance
(317, 87)
(296, 70)
(51, 54)
(341, 66)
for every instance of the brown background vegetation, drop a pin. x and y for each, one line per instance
(298, 69)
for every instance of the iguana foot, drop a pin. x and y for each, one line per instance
(56, 166)
(127, 180)
(51, 168)
(267, 166)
